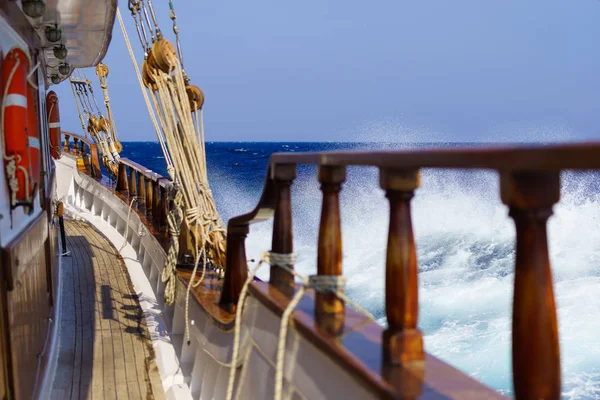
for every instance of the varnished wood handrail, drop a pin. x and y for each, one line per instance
(80, 138)
(580, 156)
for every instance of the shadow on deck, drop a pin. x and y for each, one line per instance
(105, 348)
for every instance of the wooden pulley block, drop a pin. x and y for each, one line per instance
(101, 71)
(146, 78)
(95, 124)
(104, 124)
(195, 96)
(118, 146)
(165, 56)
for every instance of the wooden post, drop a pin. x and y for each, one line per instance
(82, 148)
(122, 180)
(149, 196)
(94, 162)
(75, 146)
(236, 266)
(67, 148)
(535, 350)
(330, 309)
(132, 183)
(141, 192)
(283, 176)
(402, 340)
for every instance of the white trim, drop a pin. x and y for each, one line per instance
(54, 125)
(15, 100)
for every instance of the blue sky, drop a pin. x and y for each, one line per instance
(430, 70)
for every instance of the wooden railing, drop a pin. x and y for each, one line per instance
(149, 188)
(529, 186)
(86, 148)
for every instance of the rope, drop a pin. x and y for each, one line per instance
(148, 105)
(168, 274)
(173, 16)
(320, 283)
(79, 110)
(182, 141)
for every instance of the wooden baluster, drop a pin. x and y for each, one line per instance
(402, 340)
(535, 349)
(330, 309)
(132, 183)
(82, 148)
(283, 176)
(122, 186)
(67, 147)
(95, 162)
(75, 146)
(149, 196)
(141, 192)
(235, 265)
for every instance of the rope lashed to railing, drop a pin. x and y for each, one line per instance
(321, 283)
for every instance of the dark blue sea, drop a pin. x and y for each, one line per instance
(465, 244)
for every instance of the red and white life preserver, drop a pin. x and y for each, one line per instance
(53, 124)
(15, 69)
(34, 132)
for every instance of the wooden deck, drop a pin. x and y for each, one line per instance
(105, 347)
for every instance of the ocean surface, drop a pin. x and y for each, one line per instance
(465, 243)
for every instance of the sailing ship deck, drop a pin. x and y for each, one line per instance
(105, 347)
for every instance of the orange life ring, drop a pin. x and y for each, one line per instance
(14, 82)
(53, 124)
(34, 132)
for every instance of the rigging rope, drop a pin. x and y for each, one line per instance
(179, 128)
(148, 105)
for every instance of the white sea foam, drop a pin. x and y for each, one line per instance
(465, 246)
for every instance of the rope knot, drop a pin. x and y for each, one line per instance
(327, 283)
(279, 259)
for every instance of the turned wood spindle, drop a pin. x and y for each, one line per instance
(402, 340)
(149, 196)
(67, 147)
(330, 309)
(75, 146)
(535, 347)
(236, 266)
(122, 186)
(283, 177)
(83, 148)
(141, 192)
(132, 183)
(94, 162)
